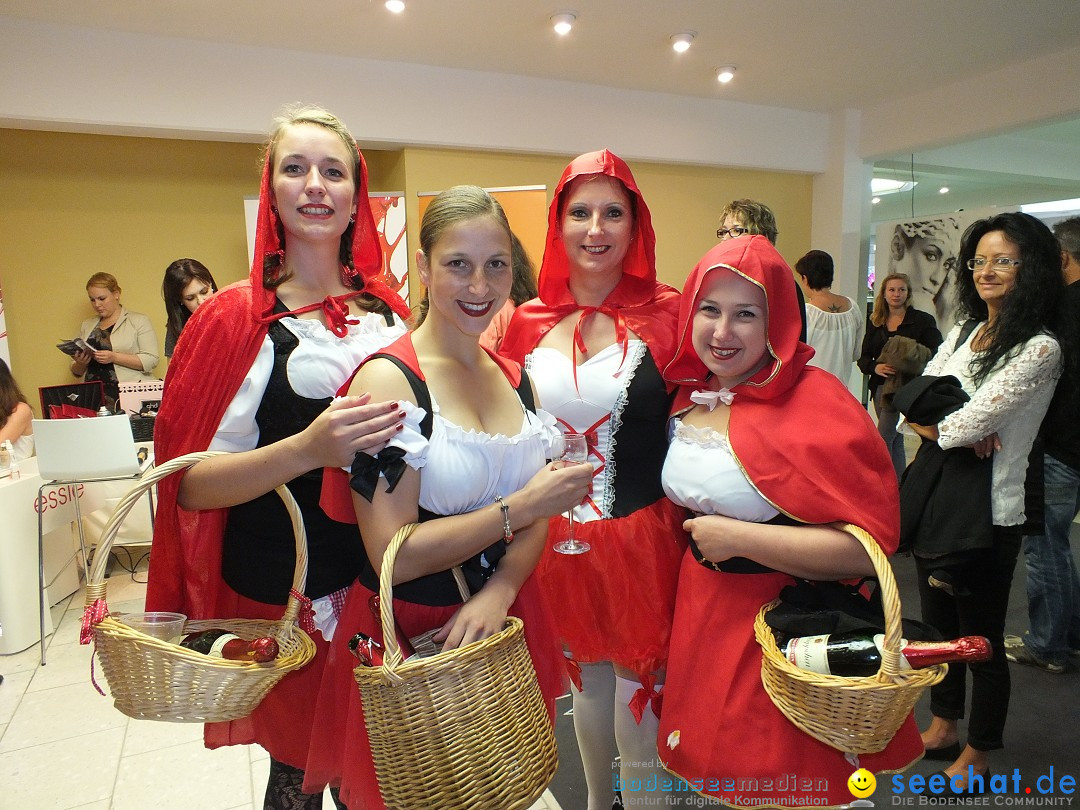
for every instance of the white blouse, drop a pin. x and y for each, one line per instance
(1011, 402)
(317, 368)
(701, 474)
(463, 470)
(595, 406)
(836, 338)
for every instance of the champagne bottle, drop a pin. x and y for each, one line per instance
(223, 644)
(858, 654)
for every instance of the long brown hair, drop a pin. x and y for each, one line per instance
(10, 394)
(881, 308)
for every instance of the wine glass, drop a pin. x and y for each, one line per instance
(575, 449)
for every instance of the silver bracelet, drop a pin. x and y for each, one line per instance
(508, 535)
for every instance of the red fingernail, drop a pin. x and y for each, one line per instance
(401, 414)
(393, 406)
(399, 427)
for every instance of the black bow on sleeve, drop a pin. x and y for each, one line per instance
(366, 469)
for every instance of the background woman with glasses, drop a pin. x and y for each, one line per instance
(741, 217)
(1009, 280)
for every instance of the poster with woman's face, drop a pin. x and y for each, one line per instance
(926, 251)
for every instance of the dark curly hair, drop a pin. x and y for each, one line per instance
(1031, 306)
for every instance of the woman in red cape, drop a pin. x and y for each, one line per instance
(470, 466)
(254, 372)
(594, 342)
(769, 454)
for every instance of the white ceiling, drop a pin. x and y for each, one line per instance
(823, 55)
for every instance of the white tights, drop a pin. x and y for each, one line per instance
(605, 727)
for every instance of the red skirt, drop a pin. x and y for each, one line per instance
(340, 754)
(281, 723)
(719, 730)
(615, 601)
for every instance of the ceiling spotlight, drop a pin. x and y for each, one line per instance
(681, 42)
(563, 22)
(875, 200)
(396, 6)
(725, 74)
(943, 190)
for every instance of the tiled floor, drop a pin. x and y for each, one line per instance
(62, 745)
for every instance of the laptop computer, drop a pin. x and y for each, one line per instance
(82, 449)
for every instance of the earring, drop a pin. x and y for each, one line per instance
(352, 218)
(274, 209)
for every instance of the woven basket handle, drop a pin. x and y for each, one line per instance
(392, 657)
(890, 601)
(95, 586)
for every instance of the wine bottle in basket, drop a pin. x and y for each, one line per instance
(407, 651)
(367, 650)
(222, 644)
(858, 654)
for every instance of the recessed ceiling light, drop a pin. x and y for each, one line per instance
(563, 22)
(396, 6)
(725, 74)
(943, 190)
(875, 200)
(681, 42)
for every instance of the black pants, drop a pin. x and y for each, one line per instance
(978, 610)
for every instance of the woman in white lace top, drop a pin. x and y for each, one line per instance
(1008, 280)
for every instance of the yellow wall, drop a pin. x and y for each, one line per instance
(76, 204)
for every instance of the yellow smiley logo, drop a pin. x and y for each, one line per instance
(861, 783)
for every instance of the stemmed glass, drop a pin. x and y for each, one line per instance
(575, 449)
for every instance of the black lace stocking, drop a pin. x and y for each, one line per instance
(284, 790)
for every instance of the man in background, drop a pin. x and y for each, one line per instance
(1053, 588)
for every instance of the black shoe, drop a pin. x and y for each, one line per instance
(946, 753)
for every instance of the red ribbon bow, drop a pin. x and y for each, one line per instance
(337, 314)
(306, 617)
(334, 310)
(620, 336)
(91, 617)
(648, 692)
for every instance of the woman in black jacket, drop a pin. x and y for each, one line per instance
(893, 315)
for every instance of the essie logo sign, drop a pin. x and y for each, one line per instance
(56, 497)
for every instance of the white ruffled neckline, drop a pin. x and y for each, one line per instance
(701, 436)
(532, 425)
(371, 323)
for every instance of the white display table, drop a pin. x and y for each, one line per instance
(18, 549)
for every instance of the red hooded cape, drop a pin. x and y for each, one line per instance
(214, 353)
(805, 442)
(646, 307)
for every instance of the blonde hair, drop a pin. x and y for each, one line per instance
(881, 308)
(106, 280)
(296, 114)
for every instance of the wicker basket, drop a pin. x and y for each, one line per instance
(464, 729)
(854, 715)
(152, 679)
